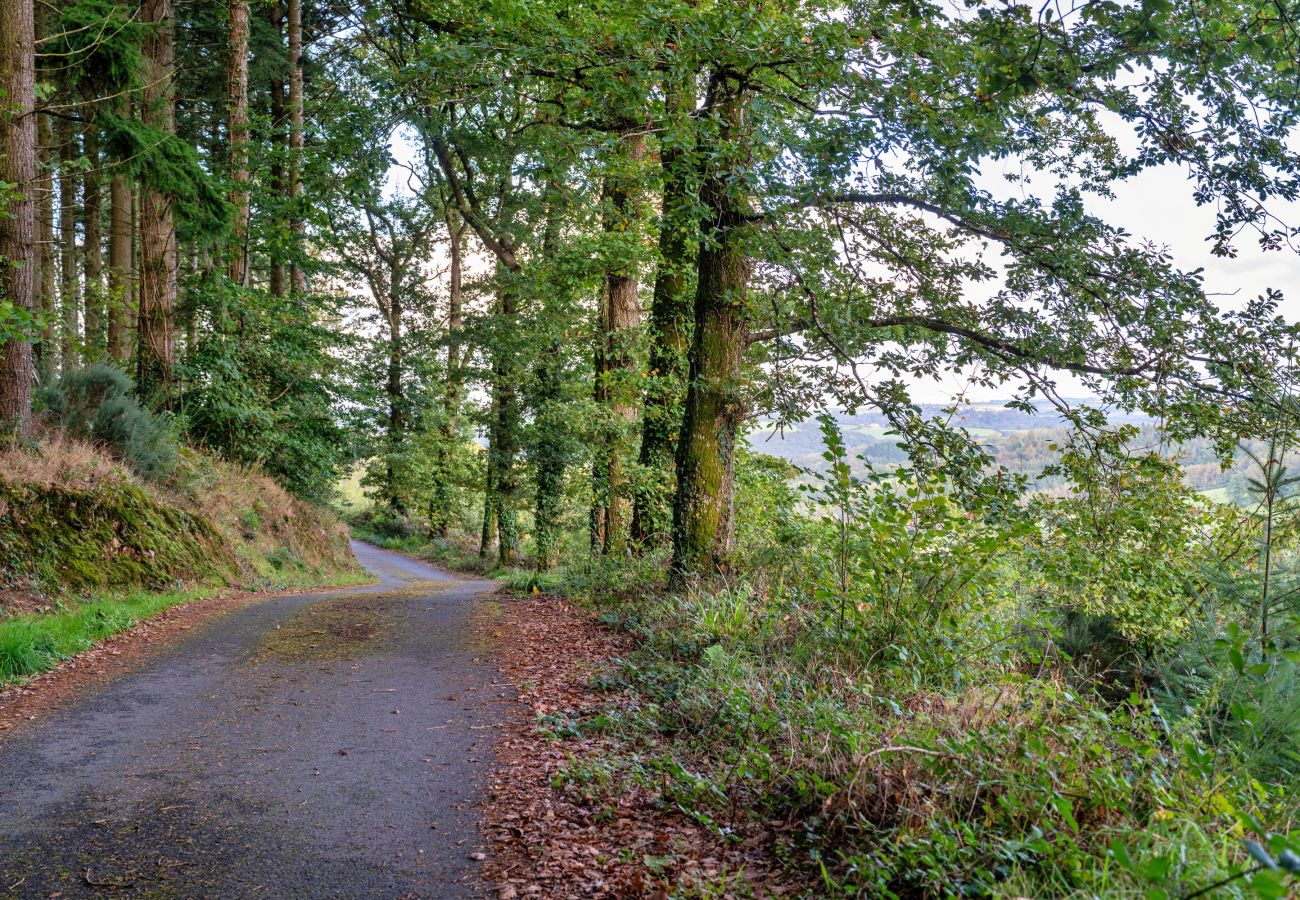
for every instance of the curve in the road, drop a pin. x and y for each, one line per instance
(323, 745)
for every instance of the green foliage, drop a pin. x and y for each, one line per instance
(162, 161)
(97, 405)
(33, 644)
(98, 46)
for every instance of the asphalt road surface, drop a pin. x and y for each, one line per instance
(321, 745)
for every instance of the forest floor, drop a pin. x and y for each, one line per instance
(312, 745)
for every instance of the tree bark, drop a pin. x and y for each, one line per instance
(440, 496)
(18, 226)
(237, 131)
(505, 438)
(92, 254)
(279, 186)
(619, 316)
(48, 289)
(298, 277)
(396, 400)
(69, 280)
(702, 507)
(119, 267)
(158, 259)
(550, 450)
(670, 331)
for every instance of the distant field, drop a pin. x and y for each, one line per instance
(352, 497)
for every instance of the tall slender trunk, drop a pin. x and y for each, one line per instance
(45, 237)
(18, 227)
(396, 400)
(440, 496)
(279, 185)
(119, 267)
(237, 131)
(550, 452)
(69, 282)
(670, 328)
(505, 437)
(157, 229)
(298, 278)
(619, 316)
(92, 248)
(702, 507)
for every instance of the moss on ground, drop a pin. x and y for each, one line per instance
(341, 627)
(67, 540)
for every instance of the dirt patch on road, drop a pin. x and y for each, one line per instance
(342, 627)
(113, 657)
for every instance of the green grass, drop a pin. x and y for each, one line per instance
(32, 644)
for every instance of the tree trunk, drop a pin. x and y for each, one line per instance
(45, 237)
(92, 250)
(705, 452)
(68, 275)
(505, 438)
(550, 450)
(396, 401)
(157, 229)
(440, 496)
(670, 331)
(298, 276)
(18, 226)
(237, 131)
(279, 185)
(619, 317)
(119, 268)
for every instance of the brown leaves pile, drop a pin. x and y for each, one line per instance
(614, 841)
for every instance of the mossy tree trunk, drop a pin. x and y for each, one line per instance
(440, 498)
(670, 328)
(18, 224)
(702, 506)
(158, 259)
(237, 135)
(620, 314)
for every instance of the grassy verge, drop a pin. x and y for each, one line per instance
(32, 644)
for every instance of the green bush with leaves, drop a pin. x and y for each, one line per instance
(97, 405)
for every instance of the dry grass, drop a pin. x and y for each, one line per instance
(56, 461)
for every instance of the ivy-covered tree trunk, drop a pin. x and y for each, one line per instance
(92, 250)
(550, 450)
(620, 314)
(670, 331)
(396, 399)
(505, 446)
(156, 348)
(705, 452)
(18, 224)
(69, 280)
(440, 496)
(237, 135)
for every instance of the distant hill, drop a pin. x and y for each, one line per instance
(1018, 440)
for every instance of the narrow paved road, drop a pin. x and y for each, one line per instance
(323, 745)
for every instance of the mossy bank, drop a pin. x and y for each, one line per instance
(79, 530)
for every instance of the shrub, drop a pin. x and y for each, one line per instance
(96, 405)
